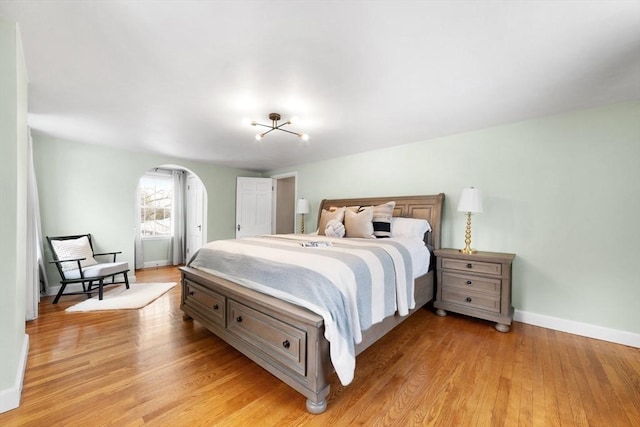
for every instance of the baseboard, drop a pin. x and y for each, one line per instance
(152, 264)
(10, 397)
(578, 328)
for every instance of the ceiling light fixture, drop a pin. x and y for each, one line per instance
(275, 117)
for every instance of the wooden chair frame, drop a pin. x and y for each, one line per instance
(86, 282)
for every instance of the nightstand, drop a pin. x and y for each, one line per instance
(477, 285)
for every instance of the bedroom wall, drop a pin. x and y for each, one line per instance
(156, 252)
(13, 214)
(89, 188)
(562, 192)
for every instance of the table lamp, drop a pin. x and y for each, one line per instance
(470, 202)
(302, 208)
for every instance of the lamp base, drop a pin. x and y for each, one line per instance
(467, 251)
(467, 238)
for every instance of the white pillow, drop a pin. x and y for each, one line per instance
(409, 227)
(74, 249)
(359, 224)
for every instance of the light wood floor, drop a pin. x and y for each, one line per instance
(150, 366)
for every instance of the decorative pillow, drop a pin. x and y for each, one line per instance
(409, 227)
(327, 216)
(74, 249)
(334, 229)
(382, 215)
(359, 224)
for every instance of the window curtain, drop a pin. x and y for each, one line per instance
(177, 247)
(36, 272)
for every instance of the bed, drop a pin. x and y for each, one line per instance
(286, 338)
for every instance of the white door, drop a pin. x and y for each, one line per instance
(195, 215)
(253, 206)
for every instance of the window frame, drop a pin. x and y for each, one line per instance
(160, 176)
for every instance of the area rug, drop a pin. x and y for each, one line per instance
(137, 296)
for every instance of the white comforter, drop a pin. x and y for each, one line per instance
(352, 284)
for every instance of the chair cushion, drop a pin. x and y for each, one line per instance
(98, 270)
(74, 249)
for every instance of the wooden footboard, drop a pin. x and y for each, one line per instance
(283, 338)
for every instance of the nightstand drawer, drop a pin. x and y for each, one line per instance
(492, 268)
(472, 299)
(477, 283)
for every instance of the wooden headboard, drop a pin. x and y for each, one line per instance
(423, 207)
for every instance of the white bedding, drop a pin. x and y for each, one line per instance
(420, 255)
(361, 281)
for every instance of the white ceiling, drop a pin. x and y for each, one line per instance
(178, 77)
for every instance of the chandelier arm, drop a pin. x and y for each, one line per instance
(279, 126)
(288, 131)
(272, 129)
(266, 126)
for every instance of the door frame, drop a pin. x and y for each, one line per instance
(274, 206)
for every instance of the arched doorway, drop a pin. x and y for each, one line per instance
(171, 216)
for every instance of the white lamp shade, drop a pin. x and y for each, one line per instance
(303, 206)
(470, 200)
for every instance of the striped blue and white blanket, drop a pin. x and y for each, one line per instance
(352, 284)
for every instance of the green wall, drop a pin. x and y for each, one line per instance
(87, 188)
(13, 214)
(156, 250)
(562, 192)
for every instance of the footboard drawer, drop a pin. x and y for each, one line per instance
(209, 303)
(280, 341)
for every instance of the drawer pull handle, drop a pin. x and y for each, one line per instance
(215, 306)
(286, 344)
(239, 319)
(468, 282)
(469, 265)
(191, 293)
(468, 299)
